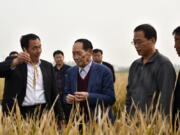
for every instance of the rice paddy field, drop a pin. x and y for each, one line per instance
(140, 124)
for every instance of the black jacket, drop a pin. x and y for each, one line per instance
(176, 105)
(16, 80)
(111, 68)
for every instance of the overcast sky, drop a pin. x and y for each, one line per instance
(108, 24)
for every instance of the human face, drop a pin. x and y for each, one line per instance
(97, 57)
(144, 46)
(34, 50)
(177, 44)
(80, 56)
(59, 59)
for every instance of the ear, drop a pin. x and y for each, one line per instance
(24, 50)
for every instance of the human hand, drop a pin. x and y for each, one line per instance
(70, 99)
(81, 96)
(21, 58)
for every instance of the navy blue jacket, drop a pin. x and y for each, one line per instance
(100, 86)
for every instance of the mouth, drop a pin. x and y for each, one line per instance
(138, 51)
(77, 61)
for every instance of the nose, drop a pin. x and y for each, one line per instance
(39, 50)
(75, 57)
(136, 46)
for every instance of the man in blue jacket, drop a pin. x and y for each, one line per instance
(89, 81)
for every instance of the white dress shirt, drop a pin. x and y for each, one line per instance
(34, 95)
(84, 71)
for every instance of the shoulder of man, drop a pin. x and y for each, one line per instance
(163, 59)
(106, 63)
(100, 67)
(67, 66)
(72, 69)
(139, 60)
(46, 63)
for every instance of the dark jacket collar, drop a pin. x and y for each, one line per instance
(152, 59)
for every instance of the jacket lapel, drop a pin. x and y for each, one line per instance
(44, 75)
(24, 74)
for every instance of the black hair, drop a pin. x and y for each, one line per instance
(176, 31)
(149, 31)
(58, 52)
(25, 40)
(86, 44)
(97, 50)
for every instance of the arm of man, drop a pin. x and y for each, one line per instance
(69, 97)
(106, 95)
(128, 100)
(21, 58)
(128, 93)
(11, 63)
(166, 82)
(113, 72)
(5, 66)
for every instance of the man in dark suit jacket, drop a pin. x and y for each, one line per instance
(176, 107)
(60, 71)
(89, 81)
(29, 80)
(98, 56)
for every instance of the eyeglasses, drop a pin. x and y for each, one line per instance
(138, 42)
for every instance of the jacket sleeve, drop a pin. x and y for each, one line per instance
(67, 86)
(166, 82)
(128, 93)
(5, 67)
(107, 95)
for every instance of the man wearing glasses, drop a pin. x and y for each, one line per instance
(152, 77)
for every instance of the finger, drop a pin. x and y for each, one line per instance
(24, 57)
(27, 57)
(69, 101)
(78, 93)
(69, 98)
(78, 99)
(78, 96)
(72, 96)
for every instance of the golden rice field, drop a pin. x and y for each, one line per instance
(1, 87)
(150, 124)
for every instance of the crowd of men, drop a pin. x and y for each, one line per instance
(33, 83)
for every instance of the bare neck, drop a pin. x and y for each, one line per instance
(147, 57)
(34, 62)
(59, 66)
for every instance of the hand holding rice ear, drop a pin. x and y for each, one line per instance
(81, 96)
(70, 99)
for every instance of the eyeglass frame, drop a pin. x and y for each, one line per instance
(138, 42)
